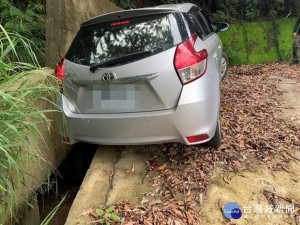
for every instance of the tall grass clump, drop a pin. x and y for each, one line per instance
(20, 120)
(27, 19)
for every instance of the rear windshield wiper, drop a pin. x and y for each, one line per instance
(116, 60)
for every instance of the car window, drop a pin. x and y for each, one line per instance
(207, 21)
(197, 27)
(101, 42)
(202, 23)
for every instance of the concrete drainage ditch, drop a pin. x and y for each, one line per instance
(66, 181)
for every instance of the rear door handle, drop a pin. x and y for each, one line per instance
(136, 79)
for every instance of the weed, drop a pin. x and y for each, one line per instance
(106, 216)
(50, 216)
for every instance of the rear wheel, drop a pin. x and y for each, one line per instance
(216, 141)
(224, 65)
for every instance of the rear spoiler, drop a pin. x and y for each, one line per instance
(120, 15)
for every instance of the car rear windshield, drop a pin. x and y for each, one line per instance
(105, 41)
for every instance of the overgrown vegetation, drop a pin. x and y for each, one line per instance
(251, 10)
(26, 18)
(231, 10)
(16, 51)
(20, 120)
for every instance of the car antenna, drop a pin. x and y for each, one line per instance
(129, 5)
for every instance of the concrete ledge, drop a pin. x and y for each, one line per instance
(116, 174)
(95, 185)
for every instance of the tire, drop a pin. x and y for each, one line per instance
(216, 141)
(224, 66)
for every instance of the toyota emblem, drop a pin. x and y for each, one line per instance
(109, 77)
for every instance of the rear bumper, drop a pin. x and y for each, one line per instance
(196, 113)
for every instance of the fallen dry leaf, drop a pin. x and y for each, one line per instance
(85, 213)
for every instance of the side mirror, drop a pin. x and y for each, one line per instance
(222, 26)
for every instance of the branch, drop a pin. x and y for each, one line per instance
(288, 14)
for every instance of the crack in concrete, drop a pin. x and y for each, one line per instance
(112, 176)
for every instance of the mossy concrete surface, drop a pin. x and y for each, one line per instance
(259, 42)
(285, 40)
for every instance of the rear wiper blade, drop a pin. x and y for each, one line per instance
(116, 60)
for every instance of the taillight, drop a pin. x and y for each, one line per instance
(60, 70)
(66, 139)
(190, 65)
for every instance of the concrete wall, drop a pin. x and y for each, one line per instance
(63, 20)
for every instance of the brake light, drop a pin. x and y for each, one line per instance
(120, 23)
(190, 65)
(60, 70)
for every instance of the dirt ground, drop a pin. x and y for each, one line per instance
(257, 166)
(249, 187)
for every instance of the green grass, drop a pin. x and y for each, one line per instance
(50, 216)
(16, 48)
(20, 120)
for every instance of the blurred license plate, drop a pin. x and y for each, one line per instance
(114, 97)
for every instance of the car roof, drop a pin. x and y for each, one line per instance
(120, 15)
(185, 7)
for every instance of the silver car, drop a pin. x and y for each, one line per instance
(143, 76)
